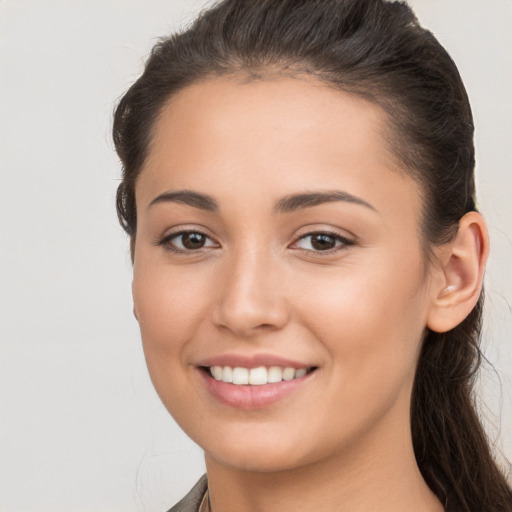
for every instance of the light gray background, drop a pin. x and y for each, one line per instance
(81, 427)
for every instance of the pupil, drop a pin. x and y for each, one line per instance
(193, 240)
(323, 242)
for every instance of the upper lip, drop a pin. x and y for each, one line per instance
(252, 361)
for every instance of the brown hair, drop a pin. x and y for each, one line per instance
(375, 49)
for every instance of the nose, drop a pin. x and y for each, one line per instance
(251, 298)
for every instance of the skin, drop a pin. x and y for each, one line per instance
(342, 441)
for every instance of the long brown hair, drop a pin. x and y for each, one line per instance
(378, 50)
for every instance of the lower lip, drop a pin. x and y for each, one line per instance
(249, 397)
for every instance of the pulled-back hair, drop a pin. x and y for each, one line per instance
(377, 50)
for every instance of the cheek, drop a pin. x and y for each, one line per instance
(372, 329)
(170, 305)
(371, 322)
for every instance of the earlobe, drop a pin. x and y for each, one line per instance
(462, 263)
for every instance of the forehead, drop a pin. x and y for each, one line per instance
(297, 114)
(271, 137)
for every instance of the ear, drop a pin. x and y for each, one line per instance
(462, 265)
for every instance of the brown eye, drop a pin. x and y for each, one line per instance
(187, 241)
(323, 242)
(193, 240)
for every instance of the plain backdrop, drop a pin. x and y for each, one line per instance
(81, 427)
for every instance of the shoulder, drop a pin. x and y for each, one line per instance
(192, 501)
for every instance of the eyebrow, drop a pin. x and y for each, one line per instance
(195, 199)
(287, 204)
(296, 202)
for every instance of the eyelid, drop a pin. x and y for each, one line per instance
(165, 240)
(345, 241)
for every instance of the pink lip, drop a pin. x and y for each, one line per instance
(247, 397)
(251, 361)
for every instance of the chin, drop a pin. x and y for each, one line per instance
(259, 451)
(256, 460)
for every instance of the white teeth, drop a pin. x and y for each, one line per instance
(227, 374)
(256, 376)
(217, 372)
(300, 372)
(240, 375)
(288, 373)
(275, 374)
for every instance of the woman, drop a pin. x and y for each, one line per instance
(308, 259)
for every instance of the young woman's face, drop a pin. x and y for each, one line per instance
(276, 239)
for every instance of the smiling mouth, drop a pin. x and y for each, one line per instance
(240, 376)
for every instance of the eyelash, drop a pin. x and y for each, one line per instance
(166, 241)
(344, 242)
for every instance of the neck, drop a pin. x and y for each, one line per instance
(375, 473)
